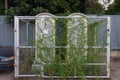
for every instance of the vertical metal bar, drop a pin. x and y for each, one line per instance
(108, 46)
(86, 38)
(43, 52)
(54, 33)
(36, 22)
(16, 45)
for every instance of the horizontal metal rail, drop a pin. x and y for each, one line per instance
(62, 77)
(78, 64)
(63, 47)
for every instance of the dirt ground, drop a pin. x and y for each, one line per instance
(115, 72)
(115, 69)
(7, 75)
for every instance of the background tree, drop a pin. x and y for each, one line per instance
(114, 8)
(93, 7)
(2, 7)
(56, 7)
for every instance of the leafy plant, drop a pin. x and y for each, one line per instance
(71, 61)
(60, 49)
(11, 13)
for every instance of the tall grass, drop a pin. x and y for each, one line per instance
(71, 56)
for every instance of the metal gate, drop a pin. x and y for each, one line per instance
(76, 46)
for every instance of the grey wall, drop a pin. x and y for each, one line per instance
(115, 31)
(7, 32)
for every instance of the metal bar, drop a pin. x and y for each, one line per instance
(26, 47)
(98, 17)
(26, 17)
(56, 17)
(76, 76)
(42, 24)
(36, 37)
(33, 17)
(16, 44)
(83, 63)
(108, 48)
(62, 47)
(61, 76)
(97, 47)
(95, 64)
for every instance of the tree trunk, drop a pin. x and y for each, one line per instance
(6, 5)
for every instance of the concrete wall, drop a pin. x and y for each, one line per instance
(115, 31)
(6, 33)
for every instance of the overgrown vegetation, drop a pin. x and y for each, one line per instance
(70, 61)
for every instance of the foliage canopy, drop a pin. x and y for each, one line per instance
(114, 8)
(57, 7)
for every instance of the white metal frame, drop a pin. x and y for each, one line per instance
(17, 47)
